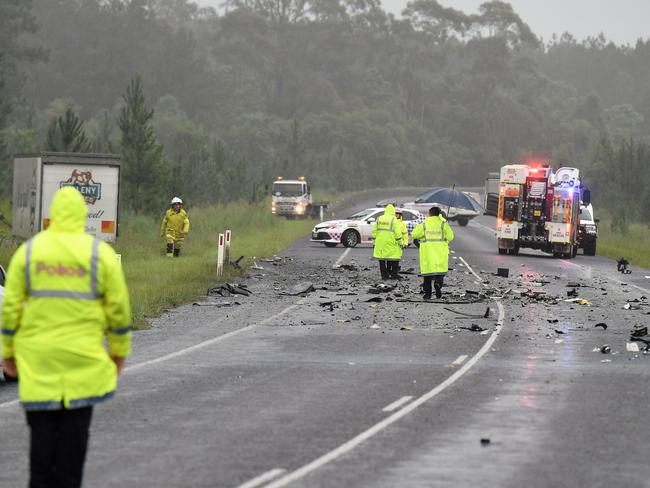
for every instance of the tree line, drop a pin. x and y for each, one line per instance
(212, 106)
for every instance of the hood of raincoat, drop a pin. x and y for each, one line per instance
(390, 210)
(68, 211)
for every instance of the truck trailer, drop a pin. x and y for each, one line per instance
(37, 177)
(539, 208)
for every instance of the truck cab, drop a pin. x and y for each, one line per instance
(291, 198)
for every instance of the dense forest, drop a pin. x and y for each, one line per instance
(212, 105)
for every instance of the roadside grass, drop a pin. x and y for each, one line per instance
(157, 282)
(634, 245)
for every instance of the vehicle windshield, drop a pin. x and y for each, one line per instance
(585, 214)
(361, 215)
(287, 189)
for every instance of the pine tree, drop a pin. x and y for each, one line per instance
(66, 134)
(142, 154)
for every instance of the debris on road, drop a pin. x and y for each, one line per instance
(255, 265)
(301, 289)
(474, 328)
(622, 264)
(485, 441)
(601, 324)
(406, 327)
(572, 293)
(227, 289)
(215, 304)
(503, 272)
(605, 349)
(374, 300)
(235, 264)
(374, 326)
(640, 332)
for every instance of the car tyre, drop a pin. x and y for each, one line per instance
(350, 238)
(463, 221)
(590, 248)
(330, 244)
(503, 251)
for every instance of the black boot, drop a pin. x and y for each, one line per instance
(177, 252)
(170, 250)
(438, 289)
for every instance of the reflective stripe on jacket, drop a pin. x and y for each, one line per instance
(434, 235)
(387, 235)
(175, 224)
(65, 291)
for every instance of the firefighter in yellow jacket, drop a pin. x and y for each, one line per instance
(174, 227)
(434, 235)
(65, 291)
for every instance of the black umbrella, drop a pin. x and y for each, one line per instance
(451, 198)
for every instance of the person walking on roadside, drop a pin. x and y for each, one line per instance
(405, 239)
(174, 227)
(64, 292)
(434, 234)
(387, 239)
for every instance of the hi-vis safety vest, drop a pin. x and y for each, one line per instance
(434, 235)
(387, 234)
(88, 291)
(64, 292)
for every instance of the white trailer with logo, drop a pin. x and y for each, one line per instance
(37, 177)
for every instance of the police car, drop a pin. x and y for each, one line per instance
(357, 229)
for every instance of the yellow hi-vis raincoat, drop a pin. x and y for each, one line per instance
(387, 235)
(174, 227)
(65, 291)
(434, 235)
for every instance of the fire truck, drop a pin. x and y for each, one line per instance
(539, 208)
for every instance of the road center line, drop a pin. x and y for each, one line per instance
(343, 256)
(470, 269)
(396, 404)
(460, 360)
(263, 478)
(375, 429)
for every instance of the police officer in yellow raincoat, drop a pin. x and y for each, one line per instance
(174, 227)
(65, 291)
(387, 236)
(434, 235)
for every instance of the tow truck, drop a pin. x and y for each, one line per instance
(539, 208)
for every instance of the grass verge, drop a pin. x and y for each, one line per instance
(634, 245)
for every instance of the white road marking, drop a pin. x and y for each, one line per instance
(396, 404)
(470, 269)
(263, 478)
(343, 256)
(189, 349)
(375, 429)
(632, 347)
(460, 359)
(208, 342)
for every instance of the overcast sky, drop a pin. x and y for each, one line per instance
(622, 21)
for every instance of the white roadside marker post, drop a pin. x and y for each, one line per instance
(227, 247)
(220, 250)
(321, 213)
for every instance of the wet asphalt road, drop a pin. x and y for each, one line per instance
(281, 391)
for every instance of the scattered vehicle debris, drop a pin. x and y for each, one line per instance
(406, 327)
(572, 293)
(375, 300)
(474, 328)
(215, 304)
(300, 289)
(622, 264)
(605, 349)
(601, 324)
(485, 441)
(227, 289)
(235, 264)
(640, 332)
(503, 272)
